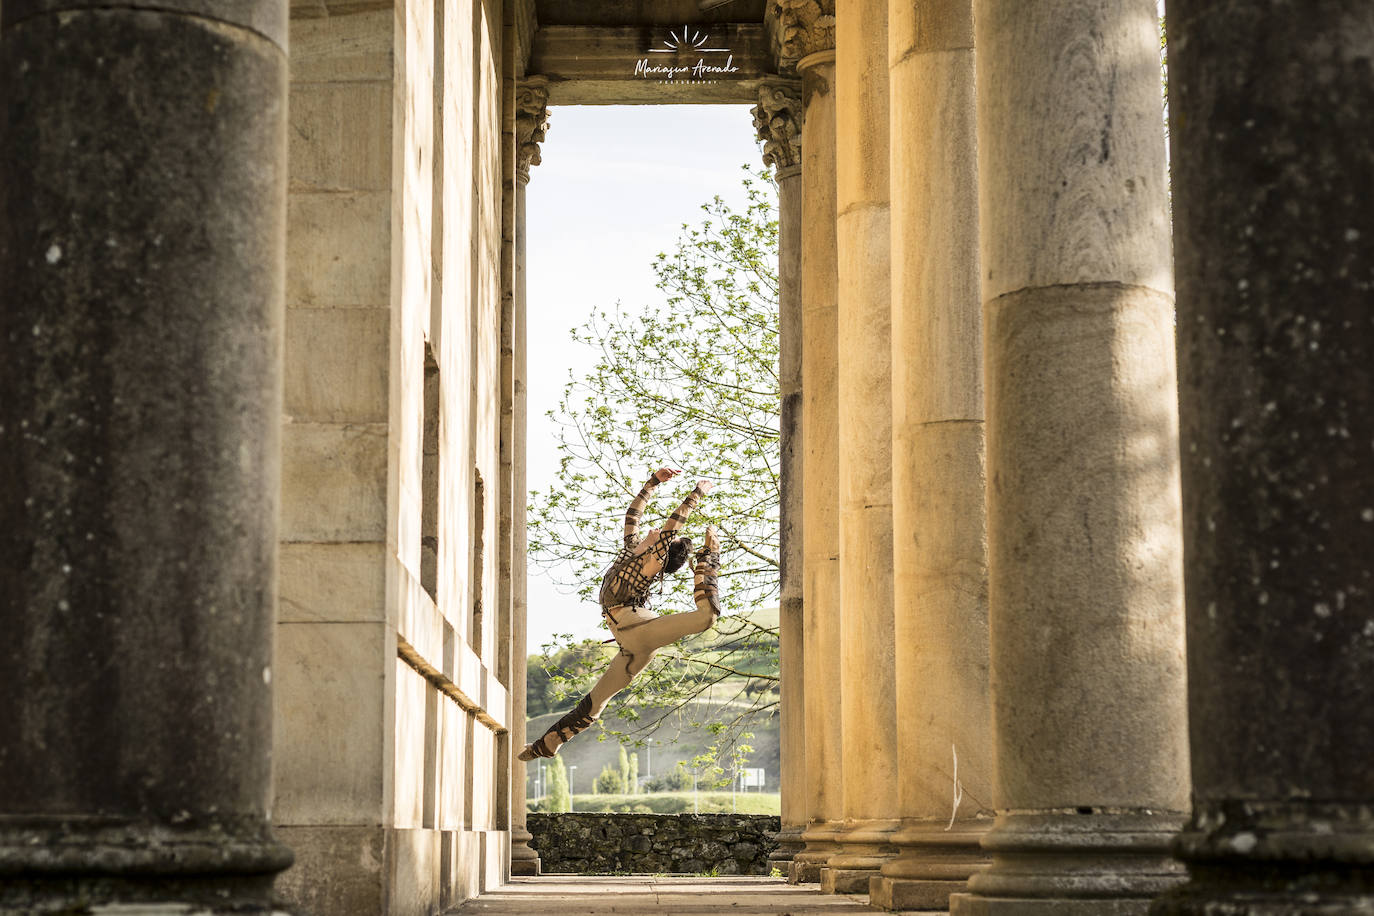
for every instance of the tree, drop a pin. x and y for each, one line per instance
(560, 802)
(609, 782)
(624, 769)
(632, 784)
(691, 382)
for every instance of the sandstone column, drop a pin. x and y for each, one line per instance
(1085, 573)
(778, 120)
(820, 458)
(531, 122)
(142, 182)
(868, 721)
(1273, 172)
(944, 725)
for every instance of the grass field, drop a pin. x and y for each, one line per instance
(678, 803)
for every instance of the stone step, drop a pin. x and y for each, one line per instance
(648, 895)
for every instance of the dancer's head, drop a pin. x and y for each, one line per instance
(678, 551)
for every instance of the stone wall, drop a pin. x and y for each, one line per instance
(391, 774)
(598, 844)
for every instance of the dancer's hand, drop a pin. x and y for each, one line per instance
(712, 541)
(705, 486)
(663, 475)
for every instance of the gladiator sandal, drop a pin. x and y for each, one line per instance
(577, 720)
(707, 576)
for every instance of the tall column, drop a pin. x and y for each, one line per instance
(142, 258)
(1273, 174)
(867, 667)
(1085, 572)
(531, 123)
(820, 458)
(944, 724)
(778, 120)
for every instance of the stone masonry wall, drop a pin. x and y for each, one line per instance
(598, 844)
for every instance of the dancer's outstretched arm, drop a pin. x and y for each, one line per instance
(679, 515)
(641, 502)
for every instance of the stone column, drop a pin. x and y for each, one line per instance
(1273, 174)
(820, 458)
(778, 120)
(868, 719)
(944, 729)
(1085, 572)
(531, 123)
(142, 258)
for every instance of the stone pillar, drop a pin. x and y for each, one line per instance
(531, 123)
(1085, 572)
(778, 120)
(1273, 174)
(868, 719)
(944, 729)
(820, 458)
(142, 254)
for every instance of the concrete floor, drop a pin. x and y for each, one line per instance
(578, 895)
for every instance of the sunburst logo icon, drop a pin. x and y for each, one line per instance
(688, 39)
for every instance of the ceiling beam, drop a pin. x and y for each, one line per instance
(615, 66)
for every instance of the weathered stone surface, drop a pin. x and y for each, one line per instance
(325, 227)
(1273, 175)
(341, 135)
(1085, 564)
(322, 583)
(330, 752)
(589, 844)
(140, 258)
(820, 458)
(868, 723)
(939, 520)
(333, 482)
(316, 883)
(336, 364)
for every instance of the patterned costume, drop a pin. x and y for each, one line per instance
(625, 605)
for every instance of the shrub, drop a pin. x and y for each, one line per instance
(610, 782)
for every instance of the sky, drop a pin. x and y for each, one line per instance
(613, 189)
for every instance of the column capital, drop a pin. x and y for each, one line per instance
(531, 123)
(778, 119)
(797, 28)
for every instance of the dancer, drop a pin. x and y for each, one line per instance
(624, 602)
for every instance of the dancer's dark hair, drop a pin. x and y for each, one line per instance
(678, 551)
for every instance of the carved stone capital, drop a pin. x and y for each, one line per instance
(797, 28)
(778, 120)
(531, 123)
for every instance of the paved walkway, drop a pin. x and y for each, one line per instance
(645, 895)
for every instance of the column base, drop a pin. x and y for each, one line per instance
(971, 905)
(524, 861)
(846, 880)
(865, 846)
(1283, 858)
(1108, 864)
(790, 843)
(61, 865)
(902, 895)
(931, 864)
(805, 867)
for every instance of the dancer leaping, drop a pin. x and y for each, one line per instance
(625, 605)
